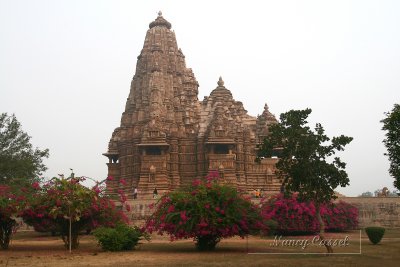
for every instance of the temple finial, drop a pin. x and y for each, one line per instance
(220, 81)
(160, 21)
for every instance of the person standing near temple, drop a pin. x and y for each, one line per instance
(135, 192)
(155, 193)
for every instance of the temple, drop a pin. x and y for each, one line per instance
(168, 138)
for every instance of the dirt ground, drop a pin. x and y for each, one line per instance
(34, 249)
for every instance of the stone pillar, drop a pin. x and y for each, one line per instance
(174, 163)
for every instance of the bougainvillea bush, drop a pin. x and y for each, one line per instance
(64, 203)
(295, 216)
(206, 211)
(13, 200)
(9, 207)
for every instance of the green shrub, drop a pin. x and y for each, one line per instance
(272, 227)
(375, 234)
(122, 237)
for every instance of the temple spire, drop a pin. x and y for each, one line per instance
(167, 138)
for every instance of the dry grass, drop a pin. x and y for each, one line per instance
(33, 249)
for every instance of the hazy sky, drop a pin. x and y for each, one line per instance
(66, 68)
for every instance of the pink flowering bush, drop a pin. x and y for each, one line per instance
(207, 211)
(295, 216)
(62, 201)
(10, 205)
(13, 199)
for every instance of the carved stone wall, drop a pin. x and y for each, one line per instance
(372, 211)
(376, 211)
(167, 137)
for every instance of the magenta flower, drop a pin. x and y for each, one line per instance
(183, 216)
(36, 185)
(196, 182)
(292, 215)
(171, 209)
(128, 207)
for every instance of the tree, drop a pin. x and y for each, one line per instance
(69, 207)
(305, 160)
(391, 124)
(18, 160)
(207, 211)
(394, 193)
(13, 199)
(385, 192)
(8, 211)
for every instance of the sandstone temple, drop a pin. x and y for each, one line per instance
(168, 138)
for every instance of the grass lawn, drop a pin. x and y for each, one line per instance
(35, 249)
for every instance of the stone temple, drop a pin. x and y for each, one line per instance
(168, 138)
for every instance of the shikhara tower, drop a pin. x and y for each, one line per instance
(167, 137)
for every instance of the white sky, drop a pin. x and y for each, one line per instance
(66, 67)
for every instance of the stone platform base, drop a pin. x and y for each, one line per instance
(372, 211)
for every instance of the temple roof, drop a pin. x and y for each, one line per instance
(160, 21)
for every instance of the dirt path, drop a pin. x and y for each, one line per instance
(40, 250)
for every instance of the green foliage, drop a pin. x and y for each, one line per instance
(375, 234)
(19, 161)
(272, 226)
(304, 154)
(391, 124)
(305, 163)
(122, 237)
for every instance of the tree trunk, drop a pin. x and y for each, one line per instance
(322, 228)
(206, 243)
(6, 228)
(74, 237)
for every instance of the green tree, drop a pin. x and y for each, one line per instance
(19, 161)
(306, 163)
(391, 124)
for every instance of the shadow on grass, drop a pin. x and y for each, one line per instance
(188, 246)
